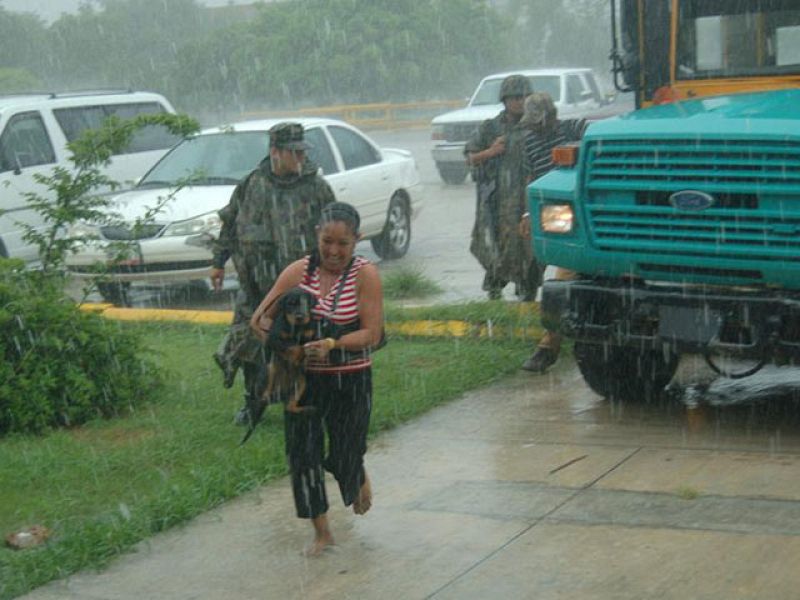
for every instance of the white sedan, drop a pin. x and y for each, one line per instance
(382, 183)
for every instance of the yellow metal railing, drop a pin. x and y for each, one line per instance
(380, 115)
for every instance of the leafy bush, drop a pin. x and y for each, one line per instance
(408, 283)
(61, 366)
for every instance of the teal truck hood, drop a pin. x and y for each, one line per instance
(640, 176)
(737, 115)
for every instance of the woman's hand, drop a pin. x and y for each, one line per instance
(217, 277)
(261, 324)
(319, 349)
(498, 147)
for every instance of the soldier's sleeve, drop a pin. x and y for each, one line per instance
(223, 245)
(479, 140)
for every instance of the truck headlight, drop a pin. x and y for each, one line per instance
(209, 222)
(557, 218)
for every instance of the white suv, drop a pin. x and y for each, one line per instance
(574, 91)
(34, 133)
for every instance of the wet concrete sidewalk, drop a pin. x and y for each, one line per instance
(530, 488)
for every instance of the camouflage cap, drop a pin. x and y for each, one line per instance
(288, 135)
(539, 110)
(515, 85)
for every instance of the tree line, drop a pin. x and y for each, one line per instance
(296, 53)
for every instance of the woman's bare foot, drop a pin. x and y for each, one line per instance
(323, 538)
(364, 501)
(318, 546)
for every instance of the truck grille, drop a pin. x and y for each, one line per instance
(756, 186)
(459, 132)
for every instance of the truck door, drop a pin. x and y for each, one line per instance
(580, 96)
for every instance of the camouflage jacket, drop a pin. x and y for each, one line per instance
(487, 133)
(269, 222)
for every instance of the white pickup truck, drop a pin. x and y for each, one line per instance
(574, 91)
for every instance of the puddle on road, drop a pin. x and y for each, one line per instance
(767, 401)
(761, 410)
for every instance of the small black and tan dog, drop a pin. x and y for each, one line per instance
(291, 329)
(286, 378)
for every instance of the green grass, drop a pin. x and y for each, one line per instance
(687, 492)
(496, 311)
(107, 485)
(408, 283)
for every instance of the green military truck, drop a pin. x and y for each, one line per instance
(681, 220)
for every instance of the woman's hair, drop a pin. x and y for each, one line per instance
(540, 112)
(341, 211)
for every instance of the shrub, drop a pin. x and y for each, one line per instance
(61, 366)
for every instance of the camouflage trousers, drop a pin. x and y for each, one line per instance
(241, 349)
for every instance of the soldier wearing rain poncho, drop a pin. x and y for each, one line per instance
(496, 155)
(268, 223)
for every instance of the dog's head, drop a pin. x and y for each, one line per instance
(296, 305)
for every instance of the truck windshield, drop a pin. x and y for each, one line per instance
(489, 91)
(730, 38)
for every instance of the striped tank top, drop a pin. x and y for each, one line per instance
(345, 315)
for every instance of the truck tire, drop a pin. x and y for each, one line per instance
(452, 174)
(625, 374)
(115, 292)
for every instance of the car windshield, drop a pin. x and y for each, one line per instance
(489, 91)
(214, 159)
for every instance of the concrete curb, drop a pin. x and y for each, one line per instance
(427, 328)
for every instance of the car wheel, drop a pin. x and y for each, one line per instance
(625, 374)
(395, 238)
(452, 174)
(115, 292)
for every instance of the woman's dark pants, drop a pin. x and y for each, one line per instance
(343, 404)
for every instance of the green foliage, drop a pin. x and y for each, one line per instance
(351, 51)
(575, 33)
(61, 366)
(305, 52)
(17, 80)
(127, 43)
(23, 38)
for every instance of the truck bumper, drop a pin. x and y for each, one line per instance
(685, 319)
(449, 153)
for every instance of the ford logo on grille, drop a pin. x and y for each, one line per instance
(691, 200)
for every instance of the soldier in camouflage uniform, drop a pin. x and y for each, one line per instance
(497, 165)
(268, 223)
